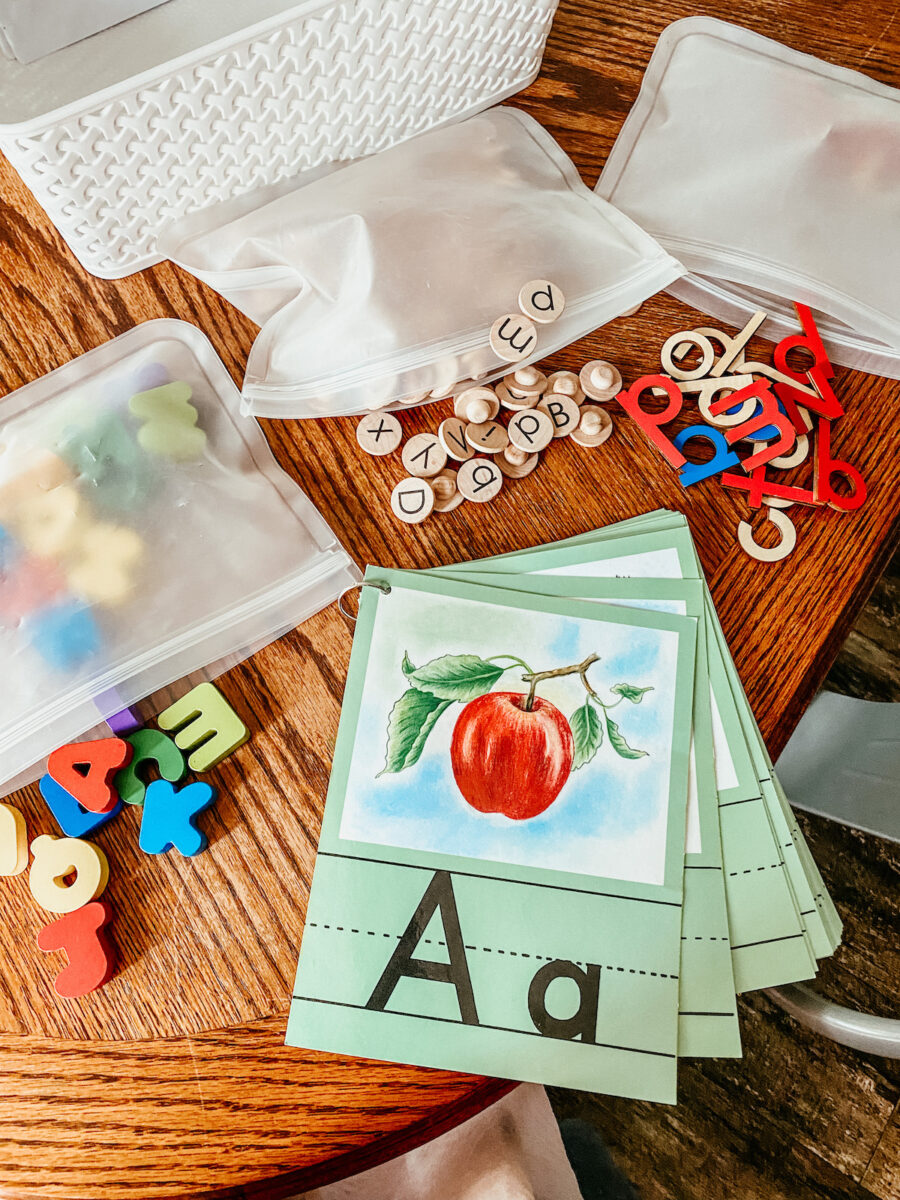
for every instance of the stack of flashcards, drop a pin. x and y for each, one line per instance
(554, 847)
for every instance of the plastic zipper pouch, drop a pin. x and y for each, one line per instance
(378, 281)
(774, 177)
(145, 533)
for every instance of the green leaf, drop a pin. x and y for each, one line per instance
(407, 666)
(630, 692)
(587, 732)
(619, 744)
(454, 676)
(412, 719)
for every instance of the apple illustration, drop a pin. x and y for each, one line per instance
(509, 759)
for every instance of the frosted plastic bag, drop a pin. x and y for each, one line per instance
(378, 281)
(135, 546)
(774, 177)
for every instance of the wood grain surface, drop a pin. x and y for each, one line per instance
(174, 1079)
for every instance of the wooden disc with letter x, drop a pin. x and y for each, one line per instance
(379, 433)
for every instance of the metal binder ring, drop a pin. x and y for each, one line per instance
(384, 588)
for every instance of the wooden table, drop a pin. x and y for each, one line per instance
(174, 1080)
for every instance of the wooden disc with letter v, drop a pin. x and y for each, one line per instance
(542, 301)
(452, 436)
(379, 433)
(412, 500)
(531, 430)
(423, 455)
(479, 480)
(562, 411)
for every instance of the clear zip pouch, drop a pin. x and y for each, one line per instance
(774, 177)
(377, 282)
(146, 532)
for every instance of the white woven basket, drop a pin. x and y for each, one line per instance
(315, 82)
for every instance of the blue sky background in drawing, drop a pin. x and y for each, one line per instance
(610, 818)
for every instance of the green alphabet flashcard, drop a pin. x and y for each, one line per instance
(500, 877)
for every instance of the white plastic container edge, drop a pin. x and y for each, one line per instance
(121, 133)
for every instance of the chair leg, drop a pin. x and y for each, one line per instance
(860, 1031)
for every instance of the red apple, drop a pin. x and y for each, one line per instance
(510, 761)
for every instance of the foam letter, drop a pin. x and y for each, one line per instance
(54, 859)
(83, 936)
(74, 820)
(206, 724)
(169, 818)
(92, 787)
(150, 746)
(13, 841)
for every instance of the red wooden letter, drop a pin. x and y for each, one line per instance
(819, 374)
(758, 487)
(826, 467)
(769, 414)
(630, 399)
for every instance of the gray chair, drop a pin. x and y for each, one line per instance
(843, 762)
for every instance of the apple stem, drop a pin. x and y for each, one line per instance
(576, 669)
(516, 661)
